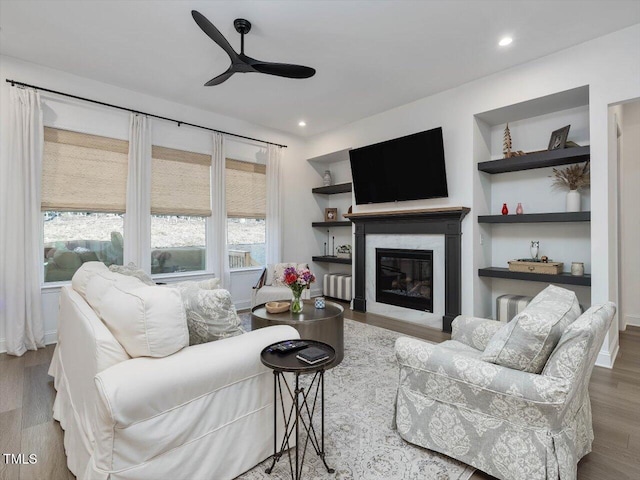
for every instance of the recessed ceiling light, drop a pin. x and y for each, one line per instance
(505, 41)
(302, 123)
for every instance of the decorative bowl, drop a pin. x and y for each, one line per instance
(277, 307)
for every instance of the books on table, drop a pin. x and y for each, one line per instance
(312, 355)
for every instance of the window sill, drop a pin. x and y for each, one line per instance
(179, 276)
(53, 286)
(246, 269)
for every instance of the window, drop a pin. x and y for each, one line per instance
(180, 203)
(246, 193)
(84, 181)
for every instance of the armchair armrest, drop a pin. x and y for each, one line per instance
(457, 379)
(141, 388)
(473, 331)
(261, 280)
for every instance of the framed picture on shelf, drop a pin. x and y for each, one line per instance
(559, 138)
(330, 214)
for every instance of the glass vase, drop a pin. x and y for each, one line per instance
(296, 302)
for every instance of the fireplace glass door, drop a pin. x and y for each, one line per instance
(405, 278)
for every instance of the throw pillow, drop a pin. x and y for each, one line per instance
(527, 341)
(211, 314)
(132, 270)
(278, 272)
(148, 321)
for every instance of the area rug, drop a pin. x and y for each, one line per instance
(360, 443)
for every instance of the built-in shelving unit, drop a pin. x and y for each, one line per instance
(340, 223)
(527, 179)
(550, 158)
(563, 278)
(337, 232)
(328, 259)
(333, 189)
(537, 218)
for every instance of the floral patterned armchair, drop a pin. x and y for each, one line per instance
(509, 423)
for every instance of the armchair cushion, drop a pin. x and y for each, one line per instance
(527, 341)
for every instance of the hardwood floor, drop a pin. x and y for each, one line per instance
(26, 400)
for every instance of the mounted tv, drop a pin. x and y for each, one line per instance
(405, 168)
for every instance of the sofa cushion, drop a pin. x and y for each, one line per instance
(132, 270)
(148, 321)
(83, 275)
(210, 314)
(276, 272)
(528, 340)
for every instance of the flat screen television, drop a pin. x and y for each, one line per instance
(405, 168)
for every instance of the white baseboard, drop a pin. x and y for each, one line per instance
(50, 338)
(606, 359)
(633, 320)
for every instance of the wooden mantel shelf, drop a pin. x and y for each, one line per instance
(460, 212)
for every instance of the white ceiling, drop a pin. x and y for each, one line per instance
(369, 55)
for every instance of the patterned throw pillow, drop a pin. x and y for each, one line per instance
(211, 314)
(132, 270)
(278, 272)
(527, 341)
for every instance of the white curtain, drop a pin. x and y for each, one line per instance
(274, 205)
(137, 220)
(218, 223)
(21, 256)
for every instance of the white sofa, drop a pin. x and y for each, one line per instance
(203, 412)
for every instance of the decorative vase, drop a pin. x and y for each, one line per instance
(573, 201)
(326, 179)
(577, 269)
(296, 301)
(319, 303)
(505, 210)
(519, 210)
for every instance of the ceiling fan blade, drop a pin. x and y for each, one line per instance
(284, 69)
(213, 33)
(220, 78)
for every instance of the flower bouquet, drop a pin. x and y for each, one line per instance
(297, 281)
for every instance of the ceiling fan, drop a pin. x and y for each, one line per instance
(241, 63)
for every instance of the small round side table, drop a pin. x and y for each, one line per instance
(304, 401)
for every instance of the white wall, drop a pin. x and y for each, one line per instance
(609, 65)
(629, 215)
(71, 114)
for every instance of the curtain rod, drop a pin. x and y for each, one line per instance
(179, 122)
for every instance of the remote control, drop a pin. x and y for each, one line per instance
(289, 346)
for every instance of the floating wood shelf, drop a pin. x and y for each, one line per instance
(530, 161)
(340, 223)
(563, 278)
(344, 261)
(333, 189)
(537, 217)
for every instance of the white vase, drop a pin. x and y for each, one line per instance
(326, 179)
(573, 201)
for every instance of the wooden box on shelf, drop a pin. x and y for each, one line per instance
(549, 268)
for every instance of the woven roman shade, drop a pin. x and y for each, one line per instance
(180, 182)
(246, 186)
(82, 172)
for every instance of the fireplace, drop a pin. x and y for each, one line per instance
(405, 278)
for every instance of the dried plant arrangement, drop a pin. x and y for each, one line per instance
(574, 177)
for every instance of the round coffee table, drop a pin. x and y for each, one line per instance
(321, 324)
